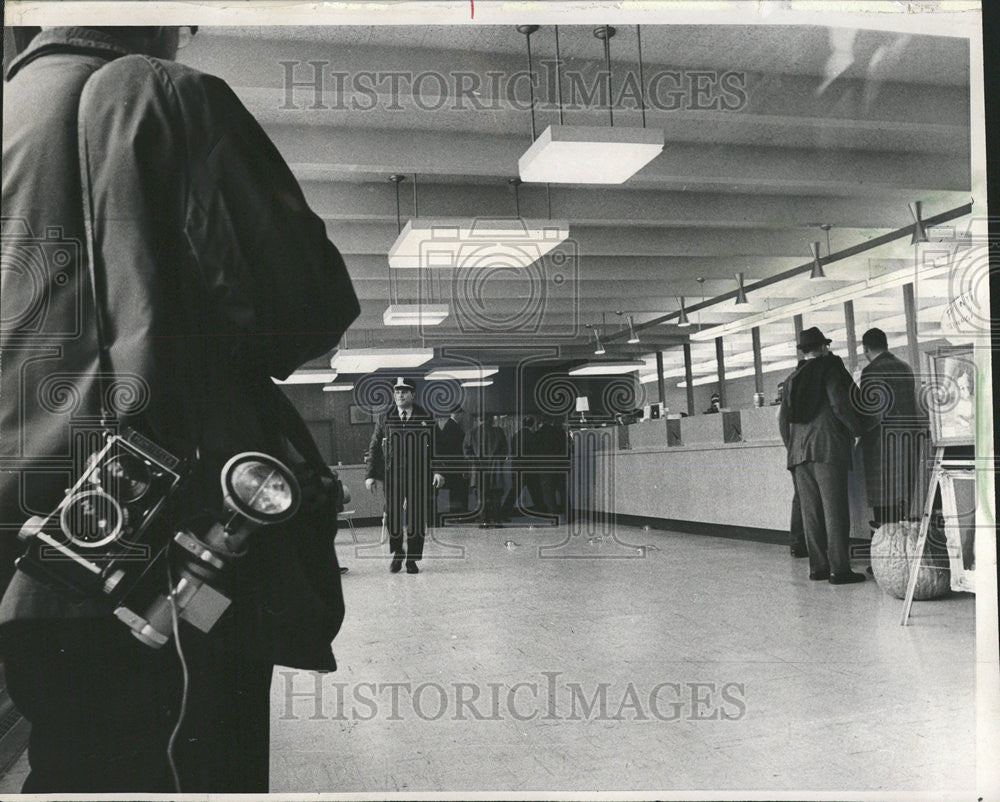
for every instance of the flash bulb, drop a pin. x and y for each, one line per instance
(260, 488)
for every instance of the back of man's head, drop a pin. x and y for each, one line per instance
(875, 340)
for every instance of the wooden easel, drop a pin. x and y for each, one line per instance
(941, 474)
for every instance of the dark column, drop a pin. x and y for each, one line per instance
(910, 310)
(660, 385)
(720, 362)
(689, 378)
(852, 336)
(797, 322)
(758, 363)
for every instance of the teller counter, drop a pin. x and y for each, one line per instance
(722, 473)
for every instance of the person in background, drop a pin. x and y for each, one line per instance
(487, 445)
(714, 406)
(796, 529)
(818, 423)
(401, 445)
(213, 276)
(887, 402)
(449, 438)
(777, 398)
(550, 443)
(523, 446)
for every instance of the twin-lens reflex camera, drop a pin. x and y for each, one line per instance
(122, 530)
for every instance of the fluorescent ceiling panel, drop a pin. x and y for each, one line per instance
(309, 377)
(579, 154)
(473, 242)
(441, 374)
(478, 383)
(414, 314)
(367, 360)
(337, 388)
(607, 368)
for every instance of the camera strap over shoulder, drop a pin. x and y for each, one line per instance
(90, 261)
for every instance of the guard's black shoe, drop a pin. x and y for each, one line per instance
(395, 565)
(846, 579)
(411, 567)
(815, 576)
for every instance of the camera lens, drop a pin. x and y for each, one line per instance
(126, 477)
(91, 519)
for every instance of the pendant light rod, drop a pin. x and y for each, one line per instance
(397, 180)
(826, 227)
(604, 33)
(516, 183)
(416, 212)
(642, 80)
(559, 78)
(527, 30)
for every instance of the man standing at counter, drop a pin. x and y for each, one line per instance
(890, 442)
(817, 424)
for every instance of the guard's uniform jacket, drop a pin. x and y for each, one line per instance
(400, 454)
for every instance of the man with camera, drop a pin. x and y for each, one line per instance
(399, 455)
(161, 265)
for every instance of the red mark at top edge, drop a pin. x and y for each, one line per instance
(472, 5)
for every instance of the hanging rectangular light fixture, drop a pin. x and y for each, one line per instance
(464, 243)
(309, 377)
(368, 360)
(588, 154)
(337, 388)
(477, 383)
(415, 314)
(578, 154)
(607, 368)
(442, 374)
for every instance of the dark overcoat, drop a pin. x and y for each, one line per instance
(214, 275)
(893, 427)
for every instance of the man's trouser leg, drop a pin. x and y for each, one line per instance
(811, 503)
(832, 483)
(419, 502)
(394, 518)
(797, 529)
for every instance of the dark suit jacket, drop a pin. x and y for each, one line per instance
(448, 446)
(888, 402)
(828, 436)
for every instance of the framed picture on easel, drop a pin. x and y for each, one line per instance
(950, 396)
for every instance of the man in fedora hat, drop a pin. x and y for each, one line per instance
(399, 455)
(818, 424)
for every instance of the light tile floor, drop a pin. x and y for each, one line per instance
(826, 692)
(823, 690)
